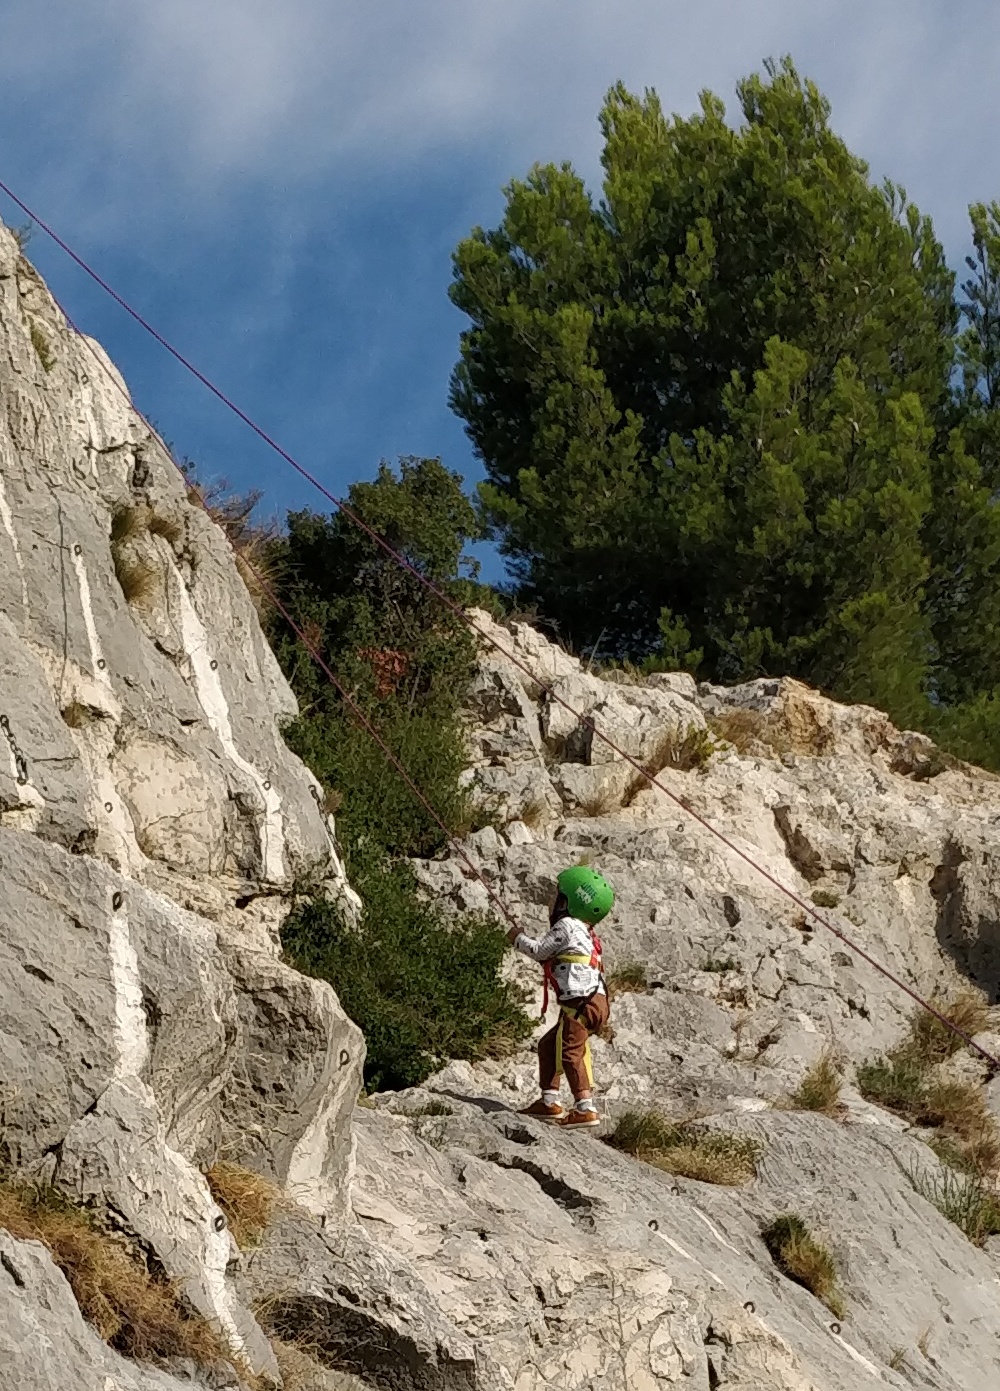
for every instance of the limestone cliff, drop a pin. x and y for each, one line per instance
(150, 819)
(152, 822)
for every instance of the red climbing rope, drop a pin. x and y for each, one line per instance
(584, 720)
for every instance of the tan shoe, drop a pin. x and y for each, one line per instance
(542, 1111)
(580, 1120)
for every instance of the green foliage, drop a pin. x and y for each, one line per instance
(704, 404)
(422, 985)
(964, 1198)
(404, 658)
(717, 412)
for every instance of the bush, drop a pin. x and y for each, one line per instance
(422, 987)
(133, 1310)
(803, 1259)
(710, 1156)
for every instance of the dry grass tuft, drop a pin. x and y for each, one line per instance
(257, 566)
(248, 1200)
(253, 543)
(684, 751)
(42, 348)
(819, 1090)
(300, 1369)
(534, 813)
(805, 1260)
(139, 580)
(932, 1040)
(127, 523)
(709, 1156)
(600, 803)
(138, 1314)
(629, 978)
(168, 527)
(75, 715)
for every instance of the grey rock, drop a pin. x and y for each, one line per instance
(45, 1345)
(298, 1070)
(117, 1158)
(362, 1308)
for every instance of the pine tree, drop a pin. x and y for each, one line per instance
(706, 404)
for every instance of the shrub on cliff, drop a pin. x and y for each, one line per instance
(423, 985)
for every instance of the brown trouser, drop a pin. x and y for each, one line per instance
(566, 1047)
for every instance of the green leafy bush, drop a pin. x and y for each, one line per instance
(422, 988)
(423, 985)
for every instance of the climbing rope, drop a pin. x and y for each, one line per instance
(585, 721)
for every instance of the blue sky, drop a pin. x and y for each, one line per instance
(279, 186)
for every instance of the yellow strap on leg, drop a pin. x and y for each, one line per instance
(588, 1064)
(559, 1044)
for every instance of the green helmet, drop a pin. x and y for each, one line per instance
(588, 893)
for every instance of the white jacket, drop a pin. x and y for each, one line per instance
(568, 937)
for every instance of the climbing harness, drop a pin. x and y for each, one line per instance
(20, 759)
(586, 722)
(595, 961)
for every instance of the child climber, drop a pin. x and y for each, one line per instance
(571, 954)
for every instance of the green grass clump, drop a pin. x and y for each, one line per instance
(804, 1259)
(710, 1156)
(720, 967)
(964, 1198)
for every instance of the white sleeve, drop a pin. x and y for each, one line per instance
(543, 948)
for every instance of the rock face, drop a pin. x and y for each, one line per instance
(580, 1267)
(152, 822)
(151, 817)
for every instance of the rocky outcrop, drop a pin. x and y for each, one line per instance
(151, 820)
(579, 1267)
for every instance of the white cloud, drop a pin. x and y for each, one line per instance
(196, 100)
